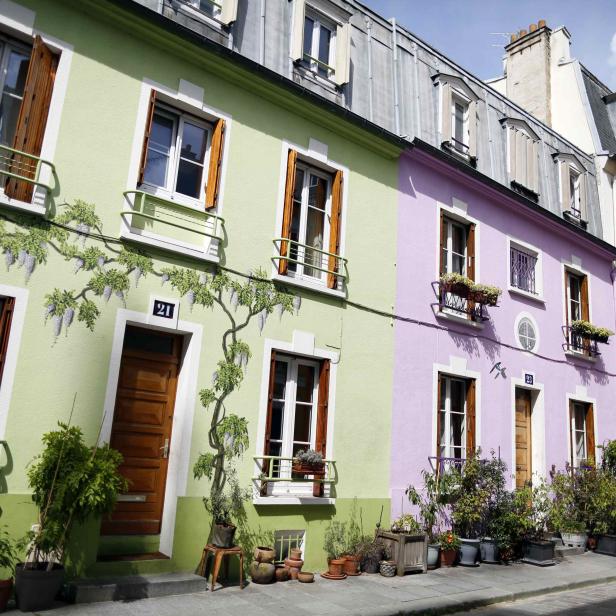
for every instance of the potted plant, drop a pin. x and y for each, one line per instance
(370, 553)
(406, 524)
(585, 329)
(308, 462)
(602, 513)
(485, 294)
(450, 544)
(534, 506)
(334, 544)
(457, 284)
(8, 559)
(494, 537)
(353, 539)
(431, 502)
(571, 494)
(226, 505)
(70, 484)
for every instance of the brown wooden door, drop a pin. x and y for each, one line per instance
(141, 429)
(523, 463)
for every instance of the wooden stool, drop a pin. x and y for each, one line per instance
(219, 553)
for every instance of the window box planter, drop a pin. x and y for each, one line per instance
(538, 552)
(460, 289)
(606, 544)
(587, 330)
(409, 552)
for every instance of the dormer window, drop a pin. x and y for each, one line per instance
(320, 41)
(319, 44)
(457, 117)
(215, 12)
(573, 188)
(522, 157)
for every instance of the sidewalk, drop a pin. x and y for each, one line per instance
(437, 592)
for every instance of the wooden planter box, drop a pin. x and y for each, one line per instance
(409, 552)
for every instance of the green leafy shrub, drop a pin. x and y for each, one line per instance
(335, 539)
(448, 540)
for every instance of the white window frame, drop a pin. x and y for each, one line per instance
(168, 191)
(312, 63)
(533, 252)
(525, 316)
(320, 277)
(451, 223)
(7, 45)
(457, 98)
(575, 181)
(447, 418)
(288, 422)
(193, 8)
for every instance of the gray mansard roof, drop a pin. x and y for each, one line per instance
(600, 106)
(392, 84)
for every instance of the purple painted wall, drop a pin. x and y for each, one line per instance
(426, 184)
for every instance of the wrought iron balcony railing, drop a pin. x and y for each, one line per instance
(442, 464)
(174, 223)
(576, 343)
(272, 470)
(308, 262)
(456, 301)
(523, 271)
(25, 167)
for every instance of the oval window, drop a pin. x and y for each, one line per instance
(527, 336)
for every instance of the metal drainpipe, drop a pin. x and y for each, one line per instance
(370, 83)
(262, 35)
(416, 87)
(394, 40)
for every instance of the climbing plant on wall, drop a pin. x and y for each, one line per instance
(113, 269)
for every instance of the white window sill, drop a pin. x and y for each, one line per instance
(307, 73)
(536, 298)
(454, 318)
(577, 355)
(292, 500)
(306, 283)
(200, 16)
(170, 246)
(23, 206)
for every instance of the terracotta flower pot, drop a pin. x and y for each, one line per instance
(262, 573)
(5, 593)
(282, 574)
(294, 566)
(264, 554)
(448, 557)
(306, 577)
(351, 565)
(295, 554)
(336, 566)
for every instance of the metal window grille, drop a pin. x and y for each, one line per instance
(284, 540)
(523, 271)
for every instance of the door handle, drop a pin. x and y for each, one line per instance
(165, 448)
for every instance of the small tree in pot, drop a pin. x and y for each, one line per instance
(533, 510)
(8, 558)
(70, 484)
(334, 544)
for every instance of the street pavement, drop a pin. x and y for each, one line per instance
(595, 601)
(437, 592)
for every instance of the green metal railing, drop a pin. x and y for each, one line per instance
(212, 224)
(322, 64)
(284, 541)
(279, 468)
(289, 247)
(23, 166)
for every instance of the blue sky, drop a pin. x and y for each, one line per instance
(461, 29)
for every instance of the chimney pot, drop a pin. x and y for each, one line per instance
(542, 23)
(514, 37)
(532, 27)
(522, 33)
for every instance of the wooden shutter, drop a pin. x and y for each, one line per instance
(590, 433)
(445, 112)
(228, 12)
(213, 176)
(32, 117)
(567, 306)
(343, 56)
(512, 134)
(470, 417)
(470, 252)
(572, 432)
(297, 30)
(146, 136)
(472, 129)
(443, 263)
(334, 230)
(565, 194)
(289, 189)
(322, 412)
(6, 317)
(584, 298)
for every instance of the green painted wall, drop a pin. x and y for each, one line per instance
(92, 160)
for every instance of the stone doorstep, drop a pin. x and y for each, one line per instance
(132, 587)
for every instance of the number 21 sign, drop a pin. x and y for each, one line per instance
(163, 312)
